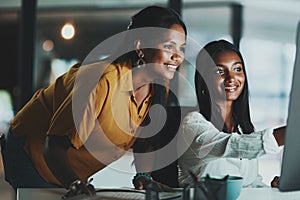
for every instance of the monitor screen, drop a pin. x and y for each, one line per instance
(290, 169)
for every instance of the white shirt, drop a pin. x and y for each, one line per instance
(218, 154)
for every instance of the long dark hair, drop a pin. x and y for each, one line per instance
(154, 16)
(241, 110)
(157, 17)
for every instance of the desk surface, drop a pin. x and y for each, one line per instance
(246, 194)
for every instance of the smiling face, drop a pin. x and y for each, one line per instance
(228, 76)
(167, 54)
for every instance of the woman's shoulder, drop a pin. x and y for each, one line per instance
(104, 67)
(124, 66)
(116, 70)
(193, 117)
(116, 75)
(195, 123)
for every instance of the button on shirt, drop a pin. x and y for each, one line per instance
(218, 154)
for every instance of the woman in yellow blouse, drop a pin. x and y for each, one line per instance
(59, 139)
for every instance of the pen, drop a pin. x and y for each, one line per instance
(194, 176)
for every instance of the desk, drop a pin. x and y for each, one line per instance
(267, 194)
(246, 194)
(102, 194)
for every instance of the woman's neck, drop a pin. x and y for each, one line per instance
(140, 78)
(141, 93)
(141, 85)
(227, 115)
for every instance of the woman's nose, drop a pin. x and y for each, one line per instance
(178, 56)
(229, 77)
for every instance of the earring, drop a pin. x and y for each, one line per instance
(140, 63)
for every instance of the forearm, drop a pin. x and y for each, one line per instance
(143, 168)
(55, 154)
(143, 160)
(143, 163)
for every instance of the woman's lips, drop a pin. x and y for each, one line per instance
(172, 67)
(231, 88)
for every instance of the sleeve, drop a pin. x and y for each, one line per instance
(87, 106)
(77, 115)
(62, 120)
(210, 142)
(64, 124)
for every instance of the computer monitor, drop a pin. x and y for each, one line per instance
(290, 169)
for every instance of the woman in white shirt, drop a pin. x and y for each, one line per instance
(222, 137)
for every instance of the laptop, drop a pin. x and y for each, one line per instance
(290, 169)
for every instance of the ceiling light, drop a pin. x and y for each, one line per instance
(68, 31)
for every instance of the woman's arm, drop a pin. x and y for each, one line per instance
(55, 154)
(142, 164)
(208, 142)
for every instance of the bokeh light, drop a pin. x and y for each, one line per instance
(48, 45)
(68, 31)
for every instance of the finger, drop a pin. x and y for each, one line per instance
(275, 182)
(87, 189)
(139, 185)
(91, 189)
(90, 192)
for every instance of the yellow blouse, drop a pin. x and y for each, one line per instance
(95, 109)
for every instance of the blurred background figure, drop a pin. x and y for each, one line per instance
(6, 110)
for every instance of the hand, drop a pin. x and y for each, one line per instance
(79, 187)
(275, 182)
(142, 183)
(159, 187)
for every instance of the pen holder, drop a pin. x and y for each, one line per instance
(151, 192)
(227, 188)
(186, 192)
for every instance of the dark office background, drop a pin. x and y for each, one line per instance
(264, 30)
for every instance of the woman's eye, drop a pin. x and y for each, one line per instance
(238, 69)
(168, 46)
(220, 71)
(182, 49)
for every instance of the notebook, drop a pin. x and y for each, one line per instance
(127, 194)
